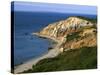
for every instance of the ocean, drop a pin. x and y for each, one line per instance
(28, 46)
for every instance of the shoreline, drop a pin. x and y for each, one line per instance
(46, 37)
(50, 54)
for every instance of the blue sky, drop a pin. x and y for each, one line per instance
(48, 7)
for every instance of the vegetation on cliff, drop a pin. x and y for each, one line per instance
(83, 58)
(88, 19)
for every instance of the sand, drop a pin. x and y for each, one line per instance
(51, 53)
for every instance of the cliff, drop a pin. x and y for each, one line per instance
(72, 33)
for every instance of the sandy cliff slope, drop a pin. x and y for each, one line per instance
(74, 32)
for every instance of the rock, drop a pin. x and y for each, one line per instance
(50, 48)
(61, 49)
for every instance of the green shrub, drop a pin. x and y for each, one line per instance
(88, 19)
(73, 36)
(83, 58)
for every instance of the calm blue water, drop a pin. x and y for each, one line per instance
(28, 46)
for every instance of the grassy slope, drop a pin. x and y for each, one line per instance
(83, 58)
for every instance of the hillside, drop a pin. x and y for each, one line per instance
(83, 58)
(72, 33)
(71, 24)
(77, 39)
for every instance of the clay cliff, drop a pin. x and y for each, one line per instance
(72, 33)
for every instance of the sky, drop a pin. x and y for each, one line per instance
(50, 7)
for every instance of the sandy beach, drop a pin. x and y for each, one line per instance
(51, 53)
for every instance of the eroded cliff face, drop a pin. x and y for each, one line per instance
(72, 33)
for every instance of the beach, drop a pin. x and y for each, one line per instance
(50, 54)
